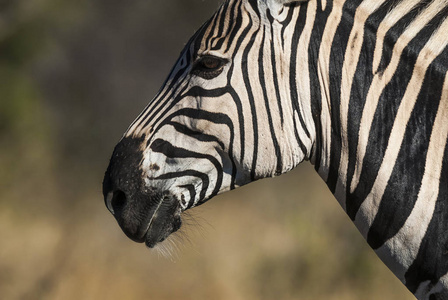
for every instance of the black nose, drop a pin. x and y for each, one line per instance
(116, 202)
(132, 214)
(124, 188)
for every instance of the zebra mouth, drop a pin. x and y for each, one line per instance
(160, 227)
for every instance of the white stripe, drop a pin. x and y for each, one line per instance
(349, 68)
(324, 4)
(302, 67)
(323, 73)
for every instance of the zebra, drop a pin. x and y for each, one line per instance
(357, 87)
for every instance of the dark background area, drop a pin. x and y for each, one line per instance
(73, 76)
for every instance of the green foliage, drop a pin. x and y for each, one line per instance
(25, 135)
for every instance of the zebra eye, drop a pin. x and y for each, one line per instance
(208, 66)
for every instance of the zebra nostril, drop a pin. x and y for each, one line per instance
(116, 201)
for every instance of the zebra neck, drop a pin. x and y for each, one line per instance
(320, 83)
(378, 72)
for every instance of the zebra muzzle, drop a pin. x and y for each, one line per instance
(161, 226)
(145, 213)
(148, 218)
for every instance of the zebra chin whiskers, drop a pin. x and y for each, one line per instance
(168, 249)
(178, 241)
(173, 245)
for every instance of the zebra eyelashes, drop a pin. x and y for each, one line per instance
(208, 66)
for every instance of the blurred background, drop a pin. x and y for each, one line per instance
(73, 76)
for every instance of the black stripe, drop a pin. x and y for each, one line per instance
(192, 192)
(315, 92)
(236, 97)
(293, 73)
(254, 5)
(197, 91)
(300, 24)
(200, 136)
(337, 56)
(275, 75)
(404, 184)
(239, 107)
(348, 14)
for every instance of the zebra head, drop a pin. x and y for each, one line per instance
(223, 118)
